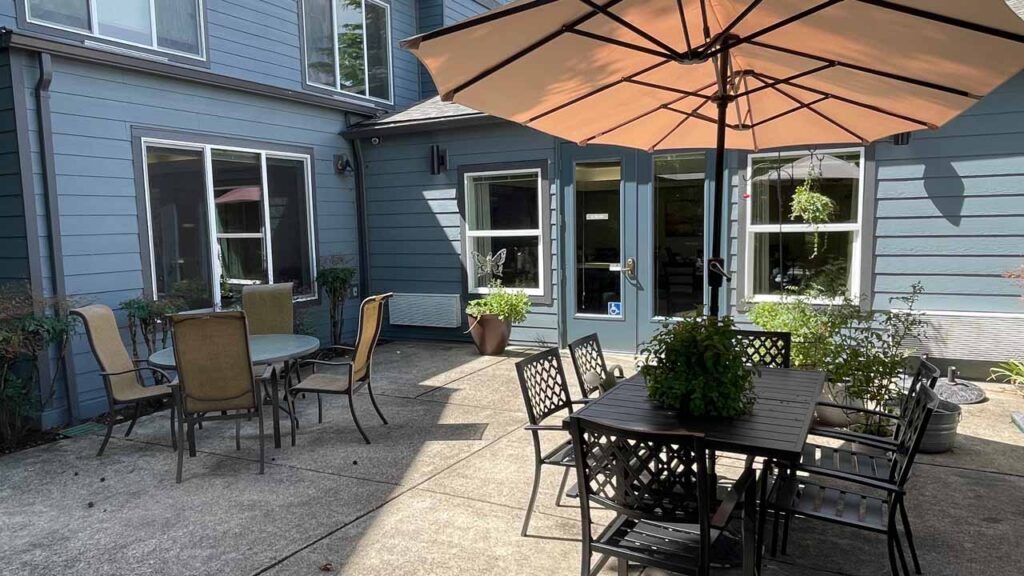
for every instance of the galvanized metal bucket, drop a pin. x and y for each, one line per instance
(941, 433)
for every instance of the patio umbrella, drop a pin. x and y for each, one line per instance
(740, 74)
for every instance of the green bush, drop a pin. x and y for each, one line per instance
(335, 278)
(695, 365)
(509, 305)
(1011, 372)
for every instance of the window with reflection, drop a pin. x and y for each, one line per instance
(598, 188)
(348, 46)
(678, 231)
(785, 253)
(250, 224)
(503, 230)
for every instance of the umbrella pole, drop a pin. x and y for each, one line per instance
(716, 264)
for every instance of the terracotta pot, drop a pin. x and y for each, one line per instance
(490, 333)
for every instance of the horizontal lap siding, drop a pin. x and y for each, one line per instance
(950, 210)
(14, 266)
(414, 223)
(93, 110)
(406, 67)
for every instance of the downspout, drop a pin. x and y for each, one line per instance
(362, 224)
(53, 215)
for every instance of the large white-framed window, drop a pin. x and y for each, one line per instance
(172, 26)
(222, 217)
(347, 46)
(504, 219)
(785, 255)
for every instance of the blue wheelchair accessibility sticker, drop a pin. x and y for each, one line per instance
(615, 308)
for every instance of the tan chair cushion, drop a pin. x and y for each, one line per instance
(269, 308)
(212, 356)
(321, 383)
(145, 392)
(110, 353)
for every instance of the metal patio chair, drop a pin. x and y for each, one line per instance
(661, 494)
(357, 370)
(545, 393)
(768, 349)
(215, 374)
(592, 373)
(122, 378)
(269, 309)
(805, 497)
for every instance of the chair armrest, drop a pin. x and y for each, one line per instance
(853, 478)
(725, 509)
(156, 371)
(858, 409)
(309, 361)
(617, 371)
(851, 436)
(582, 401)
(544, 427)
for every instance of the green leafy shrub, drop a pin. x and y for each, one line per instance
(864, 350)
(509, 305)
(1011, 372)
(28, 330)
(695, 365)
(335, 278)
(148, 320)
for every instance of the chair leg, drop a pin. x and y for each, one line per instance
(910, 537)
(259, 416)
(785, 532)
(181, 445)
(192, 438)
(352, 409)
(291, 414)
(623, 567)
(174, 432)
(561, 487)
(319, 410)
(373, 400)
(899, 548)
(135, 418)
(106, 437)
(533, 499)
(238, 434)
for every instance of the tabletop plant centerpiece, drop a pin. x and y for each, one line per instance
(491, 318)
(695, 366)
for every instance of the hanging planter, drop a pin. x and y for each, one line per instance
(811, 206)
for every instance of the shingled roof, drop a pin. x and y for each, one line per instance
(425, 115)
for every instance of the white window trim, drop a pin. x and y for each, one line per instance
(337, 73)
(207, 151)
(853, 284)
(94, 29)
(538, 232)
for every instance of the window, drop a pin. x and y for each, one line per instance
(504, 230)
(167, 25)
(786, 255)
(221, 218)
(678, 234)
(348, 46)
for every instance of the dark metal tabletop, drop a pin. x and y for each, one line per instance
(777, 427)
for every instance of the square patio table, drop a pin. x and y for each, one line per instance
(777, 427)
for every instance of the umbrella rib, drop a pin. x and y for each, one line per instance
(785, 113)
(447, 96)
(820, 114)
(621, 43)
(682, 23)
(948, 20)
(686, 116)
(713, 50)
(853, 102)
(866, 70)
(630, 26)
(704, 18)
(736, 21)
(695, 114)
(786, 80)
(595, 92)
(640, 116)
(668, 88)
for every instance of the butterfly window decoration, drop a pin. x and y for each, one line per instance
(490, 265)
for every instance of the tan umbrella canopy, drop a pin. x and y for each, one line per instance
(741, 74)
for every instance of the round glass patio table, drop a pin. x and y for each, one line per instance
(264, 349)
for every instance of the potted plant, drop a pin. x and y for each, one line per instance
(695, 366)
(335, 278)
(811, 206)
(491, 318)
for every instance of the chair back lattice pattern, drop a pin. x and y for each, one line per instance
(768, 349)
(544, 386)
(642, 475)
(587, 357)
(926, 374)
(924, 404)
(371, 319)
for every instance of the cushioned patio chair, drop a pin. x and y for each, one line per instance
(357, 370)
(660, 492)
(215, 374)
(546, 393)
(808, 497)
(592, 373)
(122, 378)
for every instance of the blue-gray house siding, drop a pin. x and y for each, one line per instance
(14, 262)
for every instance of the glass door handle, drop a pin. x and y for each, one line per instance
(630, 268)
